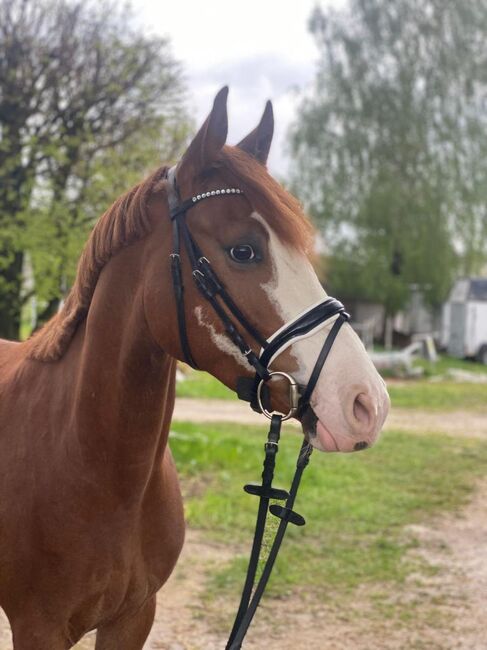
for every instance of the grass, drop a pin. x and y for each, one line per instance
(446, 363)
(201, 385)
(356, 505)
(444, 396)
(447, 396)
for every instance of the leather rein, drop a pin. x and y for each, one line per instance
(254, 390)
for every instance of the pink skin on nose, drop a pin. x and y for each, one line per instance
(327, 442)
(363, 424)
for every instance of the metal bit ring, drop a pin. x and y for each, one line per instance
(293, 396)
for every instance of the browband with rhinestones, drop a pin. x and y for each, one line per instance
(224, 190)
(181, 208)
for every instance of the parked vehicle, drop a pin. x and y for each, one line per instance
(464, 330)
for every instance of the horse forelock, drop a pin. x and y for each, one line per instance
(124, 223)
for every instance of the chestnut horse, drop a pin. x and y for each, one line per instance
(91, 518)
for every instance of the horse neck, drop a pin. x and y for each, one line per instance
(125, 385)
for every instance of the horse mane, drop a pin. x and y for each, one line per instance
(127, 221)
(124, 223)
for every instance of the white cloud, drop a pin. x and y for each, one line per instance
(261, 49)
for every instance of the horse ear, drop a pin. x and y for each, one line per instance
(258, 142)
(209, 140)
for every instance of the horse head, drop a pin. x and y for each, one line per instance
(259, 243)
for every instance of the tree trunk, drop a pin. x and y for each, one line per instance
(389, 326)
(11, 298)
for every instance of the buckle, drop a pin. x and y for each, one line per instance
(293, 396)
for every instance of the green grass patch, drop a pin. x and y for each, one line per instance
(356, 505)
(444, 396)
(202, 385)
(446, 363)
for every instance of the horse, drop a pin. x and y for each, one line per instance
(91, 515)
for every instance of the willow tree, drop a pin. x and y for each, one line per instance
(81, 87)
(391, 145)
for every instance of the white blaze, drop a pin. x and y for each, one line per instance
(293, 288)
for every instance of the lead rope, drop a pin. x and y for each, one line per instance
(286, 514)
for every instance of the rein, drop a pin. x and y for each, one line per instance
(254, 390)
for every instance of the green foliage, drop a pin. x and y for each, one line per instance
(356, 505)
(59, 230)
(390, 146)
(88, 103)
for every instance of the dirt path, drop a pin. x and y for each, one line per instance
(443, 609)
(466, 423)
(457, 546)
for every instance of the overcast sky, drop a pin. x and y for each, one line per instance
(261, 48)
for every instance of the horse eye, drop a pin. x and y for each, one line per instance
(242, 253)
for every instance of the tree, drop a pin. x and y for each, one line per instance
(58, 229)
(391, 145)
(80, 87)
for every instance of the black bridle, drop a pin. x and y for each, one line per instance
(253, 389)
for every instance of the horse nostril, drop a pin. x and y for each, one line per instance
(360, 445)
(364, 414)
(361, 409)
